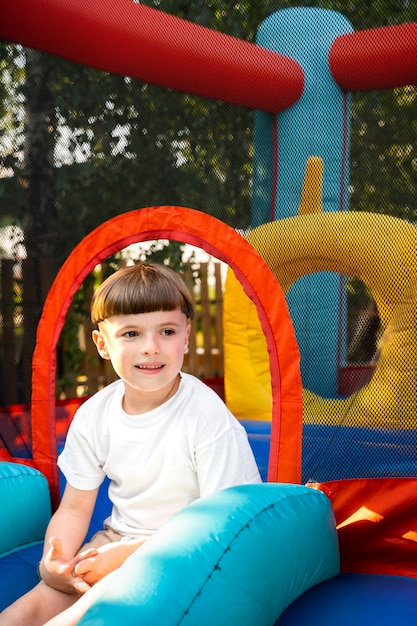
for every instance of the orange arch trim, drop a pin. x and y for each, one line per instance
(213, 236)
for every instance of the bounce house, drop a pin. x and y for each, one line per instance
(330, 535)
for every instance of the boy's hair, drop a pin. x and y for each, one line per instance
(142, 288)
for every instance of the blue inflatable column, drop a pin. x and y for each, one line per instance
(318, 124)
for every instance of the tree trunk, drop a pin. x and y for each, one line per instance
(37, 209)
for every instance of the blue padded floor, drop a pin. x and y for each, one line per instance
(18, 573)
(356, 600)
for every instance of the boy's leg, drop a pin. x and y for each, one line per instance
(101, 538)
(72, 615)
(37, 606)
(43, 603)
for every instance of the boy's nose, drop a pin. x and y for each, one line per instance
(150, 345)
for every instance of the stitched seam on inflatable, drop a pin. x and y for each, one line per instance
(217, 567)
(21, 474)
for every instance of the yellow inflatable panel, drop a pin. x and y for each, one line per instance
(247, 380)
(382, 252)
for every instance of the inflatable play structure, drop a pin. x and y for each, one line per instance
(390, 398)
(344, 548)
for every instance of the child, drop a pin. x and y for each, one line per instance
(162, 437)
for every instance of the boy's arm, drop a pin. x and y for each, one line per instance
(108, 558)
(64, 536)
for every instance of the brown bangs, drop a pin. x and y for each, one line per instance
(143, 288)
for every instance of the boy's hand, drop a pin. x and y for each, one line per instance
(93, 567)
(58, 571)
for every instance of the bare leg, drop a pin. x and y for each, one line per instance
(72, 615)
(37, 606)
(43, 604)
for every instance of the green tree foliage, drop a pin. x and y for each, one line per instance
(384, 158)
(94, 145)
(78, 146)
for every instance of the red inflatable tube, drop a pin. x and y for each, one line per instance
(135, 40)
(379, 58)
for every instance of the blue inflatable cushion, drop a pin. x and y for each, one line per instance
(25, 507)
(240, 556)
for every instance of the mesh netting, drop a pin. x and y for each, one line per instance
(80, 146)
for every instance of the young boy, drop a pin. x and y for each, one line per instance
(162, 437)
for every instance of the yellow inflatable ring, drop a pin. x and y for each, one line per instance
(382, 252)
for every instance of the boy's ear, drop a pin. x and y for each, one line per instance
(187, 332)
(100, 344)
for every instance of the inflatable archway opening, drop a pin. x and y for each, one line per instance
(382, 252)
(196, 228)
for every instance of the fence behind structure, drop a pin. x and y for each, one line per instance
(18, 313)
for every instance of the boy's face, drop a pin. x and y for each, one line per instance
(146, 349)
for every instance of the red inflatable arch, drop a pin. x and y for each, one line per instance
(212, 235)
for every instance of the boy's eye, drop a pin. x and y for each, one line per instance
(168, 331)
(131, 333)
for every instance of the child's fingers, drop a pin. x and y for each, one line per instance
(55, 551)
(81, 586)
(87, 554)
(82, 567)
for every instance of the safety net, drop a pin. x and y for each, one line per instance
(293, 123)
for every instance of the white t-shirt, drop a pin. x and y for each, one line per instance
(158, 462)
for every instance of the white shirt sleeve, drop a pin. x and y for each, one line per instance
(223, 454)
(78, 462)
